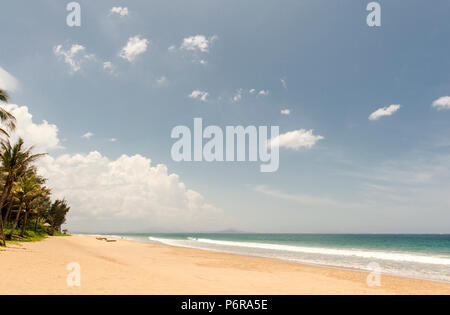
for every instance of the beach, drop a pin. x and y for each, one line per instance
(128, 267)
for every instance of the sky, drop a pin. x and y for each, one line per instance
(363, 112)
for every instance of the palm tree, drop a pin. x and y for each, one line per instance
(41, 207)
(6, 117)
(20, 195)
(34, 192)
(10, 121)
(27, 190)
(15, 161)
(57, 212)
(10, 201)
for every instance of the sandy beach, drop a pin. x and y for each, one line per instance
(126, 267)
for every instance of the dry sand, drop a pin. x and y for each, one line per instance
(126, 267)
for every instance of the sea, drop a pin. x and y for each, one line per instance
(413, 256)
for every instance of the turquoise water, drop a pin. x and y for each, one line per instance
(416, 256)
(437, 244)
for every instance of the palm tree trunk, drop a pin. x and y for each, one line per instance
(6, 191)
(3, 243)
(16, 221)
(24, 226)
(8, 212)
(36, 223)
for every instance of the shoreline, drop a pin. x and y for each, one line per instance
(354, 269)
(132, 267)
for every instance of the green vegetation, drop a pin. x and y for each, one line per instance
(27, 212)
(41, 233)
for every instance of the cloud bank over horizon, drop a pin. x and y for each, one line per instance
(127, 194)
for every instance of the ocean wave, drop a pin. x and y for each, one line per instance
(356, 253)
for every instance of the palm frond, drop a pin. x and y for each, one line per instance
(4, 96)
(8, 119)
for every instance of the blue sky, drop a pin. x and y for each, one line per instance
(384, 175)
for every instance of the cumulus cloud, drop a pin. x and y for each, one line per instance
(122, 11)
(296, 139)
(442, 103)
(263, 92)
(134, 47)
(112, 140)
(385, 111)
(285, 112)
(126, 194)
(74, 56)
(198, 43)
(252, 91)
(7, 81)
(43, 136)
(87, 135)
(200, 95)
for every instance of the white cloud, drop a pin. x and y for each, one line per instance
(238, 96)
(197, 94)
(122, 11)
(442, 103)
(203, 62)
(296, 139)
(126, 194)
(75, 56)
(43, 136)
(172, 48)
(108, 66)
(285, 112)
(261, 92)
(134, 47)
(112, 140)
(7, 81)
(284, 82)
(162, 81)
(385, 111)
(87, 135)
(198, 43)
